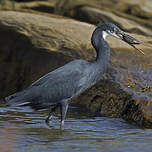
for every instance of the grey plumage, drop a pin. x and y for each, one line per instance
(58, 87)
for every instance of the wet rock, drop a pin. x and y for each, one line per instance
(32, 45)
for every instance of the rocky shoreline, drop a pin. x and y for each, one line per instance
(35, 41)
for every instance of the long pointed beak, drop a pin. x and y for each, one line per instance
(130, 40)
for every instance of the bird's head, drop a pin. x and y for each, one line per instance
(110, 29)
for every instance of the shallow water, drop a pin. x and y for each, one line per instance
(23, 130)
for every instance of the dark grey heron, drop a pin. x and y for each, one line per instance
(58, 87)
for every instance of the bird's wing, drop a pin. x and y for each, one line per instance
(63, 82)
(66, 70)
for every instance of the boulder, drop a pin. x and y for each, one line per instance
(32, 45)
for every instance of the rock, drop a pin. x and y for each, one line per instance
(140, 8)
(129, 12)
(6, 4)
(96, 16)
(132, 10)
(140, 11)
(41, 6)
(124, 91)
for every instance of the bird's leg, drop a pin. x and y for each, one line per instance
(50, 114)
(63, 110)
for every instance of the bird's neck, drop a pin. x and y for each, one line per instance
(102, 49)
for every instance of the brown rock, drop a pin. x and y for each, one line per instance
(139, 8)
(140, 11)
(135, 12)
(41, 6)
(96, 16)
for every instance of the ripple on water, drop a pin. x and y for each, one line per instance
(26, 131)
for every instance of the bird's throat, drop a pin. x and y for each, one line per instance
(102, 49)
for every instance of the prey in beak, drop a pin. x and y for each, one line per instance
(130, 40)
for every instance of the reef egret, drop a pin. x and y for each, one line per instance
(58, 87)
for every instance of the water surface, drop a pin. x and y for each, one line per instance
(23, 130)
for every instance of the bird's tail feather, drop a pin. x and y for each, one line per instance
(18, 99)
(26, 98)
